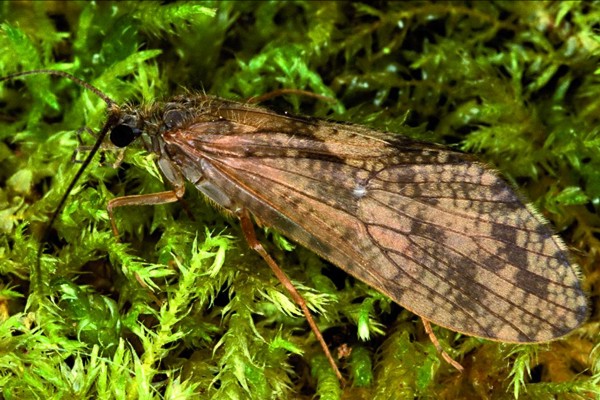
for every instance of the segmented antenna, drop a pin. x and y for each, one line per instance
(113, 107)
(109, 102)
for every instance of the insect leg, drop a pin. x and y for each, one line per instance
(169, 196)
(83, 148)
(437, 345)
(249, 234)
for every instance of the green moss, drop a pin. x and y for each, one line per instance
(181, 307)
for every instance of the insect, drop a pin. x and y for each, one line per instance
(437, 231)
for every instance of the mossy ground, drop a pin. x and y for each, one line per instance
(183, 309)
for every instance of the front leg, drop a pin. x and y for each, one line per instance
(169, 196)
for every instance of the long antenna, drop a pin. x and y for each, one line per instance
(109, 102)
(112, 119)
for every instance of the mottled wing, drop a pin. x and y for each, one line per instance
(438, 232)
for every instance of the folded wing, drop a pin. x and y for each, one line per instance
(435, 230)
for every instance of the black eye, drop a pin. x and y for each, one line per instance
(122, 135)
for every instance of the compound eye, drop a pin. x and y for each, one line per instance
(122, 135)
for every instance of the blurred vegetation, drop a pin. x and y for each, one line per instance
(183, 309)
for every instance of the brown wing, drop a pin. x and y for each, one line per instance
(439, 233)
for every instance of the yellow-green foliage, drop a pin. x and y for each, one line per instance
(181, 308)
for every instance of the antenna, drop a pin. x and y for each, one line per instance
(109, 102)
(111, 121)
